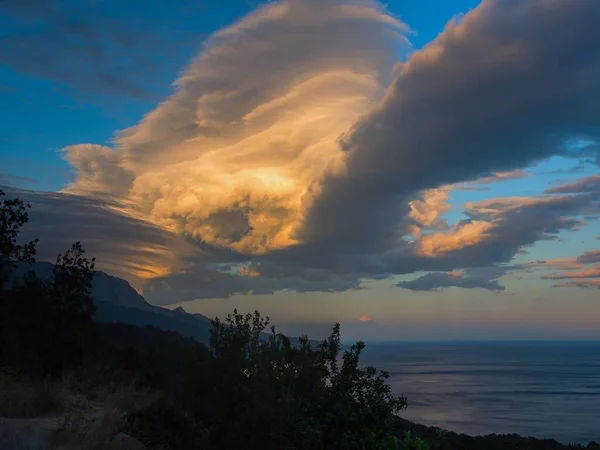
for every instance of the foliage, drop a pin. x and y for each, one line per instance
(412, 443)
(449, 440)
(264, 392)
(13, 216)
(43, 323)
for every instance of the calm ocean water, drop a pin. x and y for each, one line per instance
(539, 389)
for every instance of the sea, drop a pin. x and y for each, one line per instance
(539, 389)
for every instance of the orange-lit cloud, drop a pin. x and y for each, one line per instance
(592, 272)
(364, 319)
(592, 256)
(576, 263)
(581, 283)
(427, 212)
(229, 158)
(436, 244)
(249, 271)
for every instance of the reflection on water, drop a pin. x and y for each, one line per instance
(540, 389)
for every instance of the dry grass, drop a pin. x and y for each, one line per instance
(92, 425)
(24, 398)
(79, 432)
(92, 413)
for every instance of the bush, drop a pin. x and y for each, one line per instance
(412, 443)
(257, 390)
(162, 425)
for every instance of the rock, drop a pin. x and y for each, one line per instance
(19, 434)
(126, 442)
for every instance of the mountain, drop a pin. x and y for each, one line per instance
(118, 302)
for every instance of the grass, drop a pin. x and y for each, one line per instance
(91, 413)
(24, 398)
(78, 434)
(92, 425)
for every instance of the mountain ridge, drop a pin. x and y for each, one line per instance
(118, 302)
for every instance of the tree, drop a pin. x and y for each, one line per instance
(13, 216)
(43, 322)
(261, 391)
(70, 308)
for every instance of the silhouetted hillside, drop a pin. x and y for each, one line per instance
(118, 302)
(187, 325)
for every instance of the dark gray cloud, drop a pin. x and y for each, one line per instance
(495, 230)
(123, 245)
(518, 223)
(11, 180)
(479, 277)
(487, 277)
(486, 95)
(104, 47)
(202, 281)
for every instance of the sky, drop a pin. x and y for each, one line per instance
(414, 170)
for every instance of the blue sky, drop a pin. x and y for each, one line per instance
(218, 169)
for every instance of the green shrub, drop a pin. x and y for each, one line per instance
(413, 443)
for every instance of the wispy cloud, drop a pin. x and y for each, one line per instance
(124, 246)
(497, 177)
(92, 47)
(580, 283)
(10, 180)
(587, 184)
(576, 271)
(558, 264)
(466, 187)
(593, 272)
